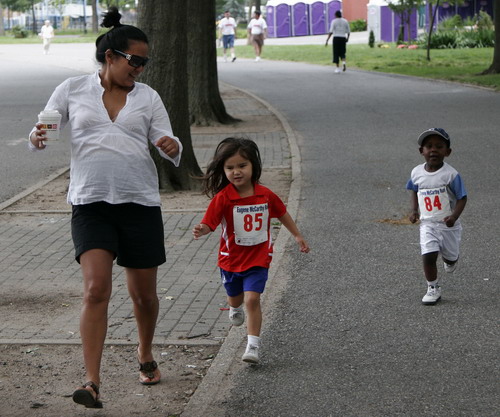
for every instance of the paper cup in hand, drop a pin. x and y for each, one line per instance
(51, 122)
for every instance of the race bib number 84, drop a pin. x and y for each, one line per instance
(250, 224)
(434, 203)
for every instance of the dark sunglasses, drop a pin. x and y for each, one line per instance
(135, 61)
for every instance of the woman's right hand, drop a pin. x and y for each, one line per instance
(38, 137)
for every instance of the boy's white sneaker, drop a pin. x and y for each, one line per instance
(337, 70)
(236, 316)
(450, 268)
(251, 354)
(432, 296)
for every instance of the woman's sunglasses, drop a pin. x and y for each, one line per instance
(135, 61)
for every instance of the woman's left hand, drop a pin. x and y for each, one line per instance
(168, 146)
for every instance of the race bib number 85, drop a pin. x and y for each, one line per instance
(250, 224)
(434, 203)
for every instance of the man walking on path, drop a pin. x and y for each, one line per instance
(46, 33)
(257, 29)
(227, 31)
(341, 31)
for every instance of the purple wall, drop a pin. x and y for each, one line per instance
(332, 7)
(386, 24)
(317, 18)
(283, 28)
(468, 9)
(271, 24)
(299, 20)
(413, 27)
(390, 22)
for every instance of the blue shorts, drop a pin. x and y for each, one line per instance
(253, 279)
(228, 41)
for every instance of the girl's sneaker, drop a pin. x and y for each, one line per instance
(251, 354)
(236, 316)
(432, 296)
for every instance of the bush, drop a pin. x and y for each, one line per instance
(19, 32)
(484, 21)
(371, 39)
(451, 39)
(453, 22)
(358, 25)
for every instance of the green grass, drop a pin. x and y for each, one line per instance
(459, 65)
(69, 38)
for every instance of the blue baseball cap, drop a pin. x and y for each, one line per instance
(434, 131)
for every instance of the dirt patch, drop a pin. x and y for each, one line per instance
(52, 196)
(38, 380)
(405, 221)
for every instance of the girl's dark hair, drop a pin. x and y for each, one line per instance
(215, 178)
(118, 37)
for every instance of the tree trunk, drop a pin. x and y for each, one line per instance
(408, 25)
(165, 23)
(495, 66)
(257, 4)
(95, 18)
(431, 27)
(205, 103)
(35, 30)
(2, 28)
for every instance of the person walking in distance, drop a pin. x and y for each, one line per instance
(244, 208)
(257, 29)
(438, 197)
(227, 31)
(114, 191)
(341, 31)
(47, 34)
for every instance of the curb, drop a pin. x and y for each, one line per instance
(211, 385)
(33, 188)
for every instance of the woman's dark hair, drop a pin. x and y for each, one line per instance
(215, 179)
(118, 37)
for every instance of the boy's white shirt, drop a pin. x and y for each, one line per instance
(432, 185)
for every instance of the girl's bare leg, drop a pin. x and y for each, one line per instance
(254, 321)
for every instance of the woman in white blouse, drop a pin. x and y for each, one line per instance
(114, 190)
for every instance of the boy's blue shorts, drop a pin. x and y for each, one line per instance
(253, 279)
(228, 41)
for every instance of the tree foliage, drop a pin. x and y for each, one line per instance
(236, 9)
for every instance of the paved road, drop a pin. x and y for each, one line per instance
(27, 81)
(349, 336)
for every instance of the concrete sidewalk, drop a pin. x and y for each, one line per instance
(37, 264)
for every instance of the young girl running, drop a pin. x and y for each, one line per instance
(244, 208)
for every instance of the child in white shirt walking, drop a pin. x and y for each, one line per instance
(438, 197)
